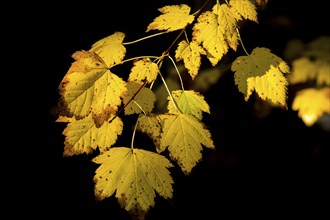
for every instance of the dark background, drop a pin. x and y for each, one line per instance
(267, 162)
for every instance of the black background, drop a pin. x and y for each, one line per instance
(262, 166)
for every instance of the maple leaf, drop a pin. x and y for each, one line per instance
(263, 72)
(189, 102)
(110, 48)
(144, 69)
(311, 104)
(135, 175)
(184, 136)
(244, 9)
(89, 86)
(303, 70)
(191, 56)
(174, 17)
(83, 136)
(209, 34)
(152, 126)
(143, 100)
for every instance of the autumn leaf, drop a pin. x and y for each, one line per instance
(83, 136)
(152, 126)
(189, 102)
(174, 17)
(89, 86)
(110, 48)
(183, 135)
(311, 104)
(262, 71)
(216, 30)
(191, 56)
(136, 175)
(244, 9)
(144, 69)
(143, 101)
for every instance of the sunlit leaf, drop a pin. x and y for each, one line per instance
(110, 48)
(174, 17)
(144, 69)
(191, 56)
(83, 136)
(263, 72)
(134, 175)
(183, 135)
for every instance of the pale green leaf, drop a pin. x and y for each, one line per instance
(136, 175)
(183, 135)
(189, 102)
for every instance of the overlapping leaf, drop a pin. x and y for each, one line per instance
(152, 126)
(190, 53)
(183, 135)
(110, 48)
(144, 69)
(174, 17)
(189, 102)
(143, 101)
(83, 136)
(263, 72)
(135, 175)
(89, 86)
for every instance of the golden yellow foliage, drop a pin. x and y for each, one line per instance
(311, 104)
(174, 17)
(136, 175)
(183, 135)
(144, 69)
(262, 72)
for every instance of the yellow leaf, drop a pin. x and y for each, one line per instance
(210, 35)
(244, 8)
(144, 69)
(191, 55)
(89, 86)
(152, 126)
(189, 102)
(110, 48)
(303, 70)
(135, 175)
(184, 136)
(82, 136)
(311, 104)
(174, 17)
(263, 72)
(144, 99)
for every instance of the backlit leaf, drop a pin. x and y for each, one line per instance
(174, 17)
(144, 69)
(184, 136)
(191, 56)
(244, 8)
(89, 86)
(144, 99)
(82, 136)
(262, 71)
(189, 102)
(152, 126)
(311, 104)
(110, 48)
(136, 175)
